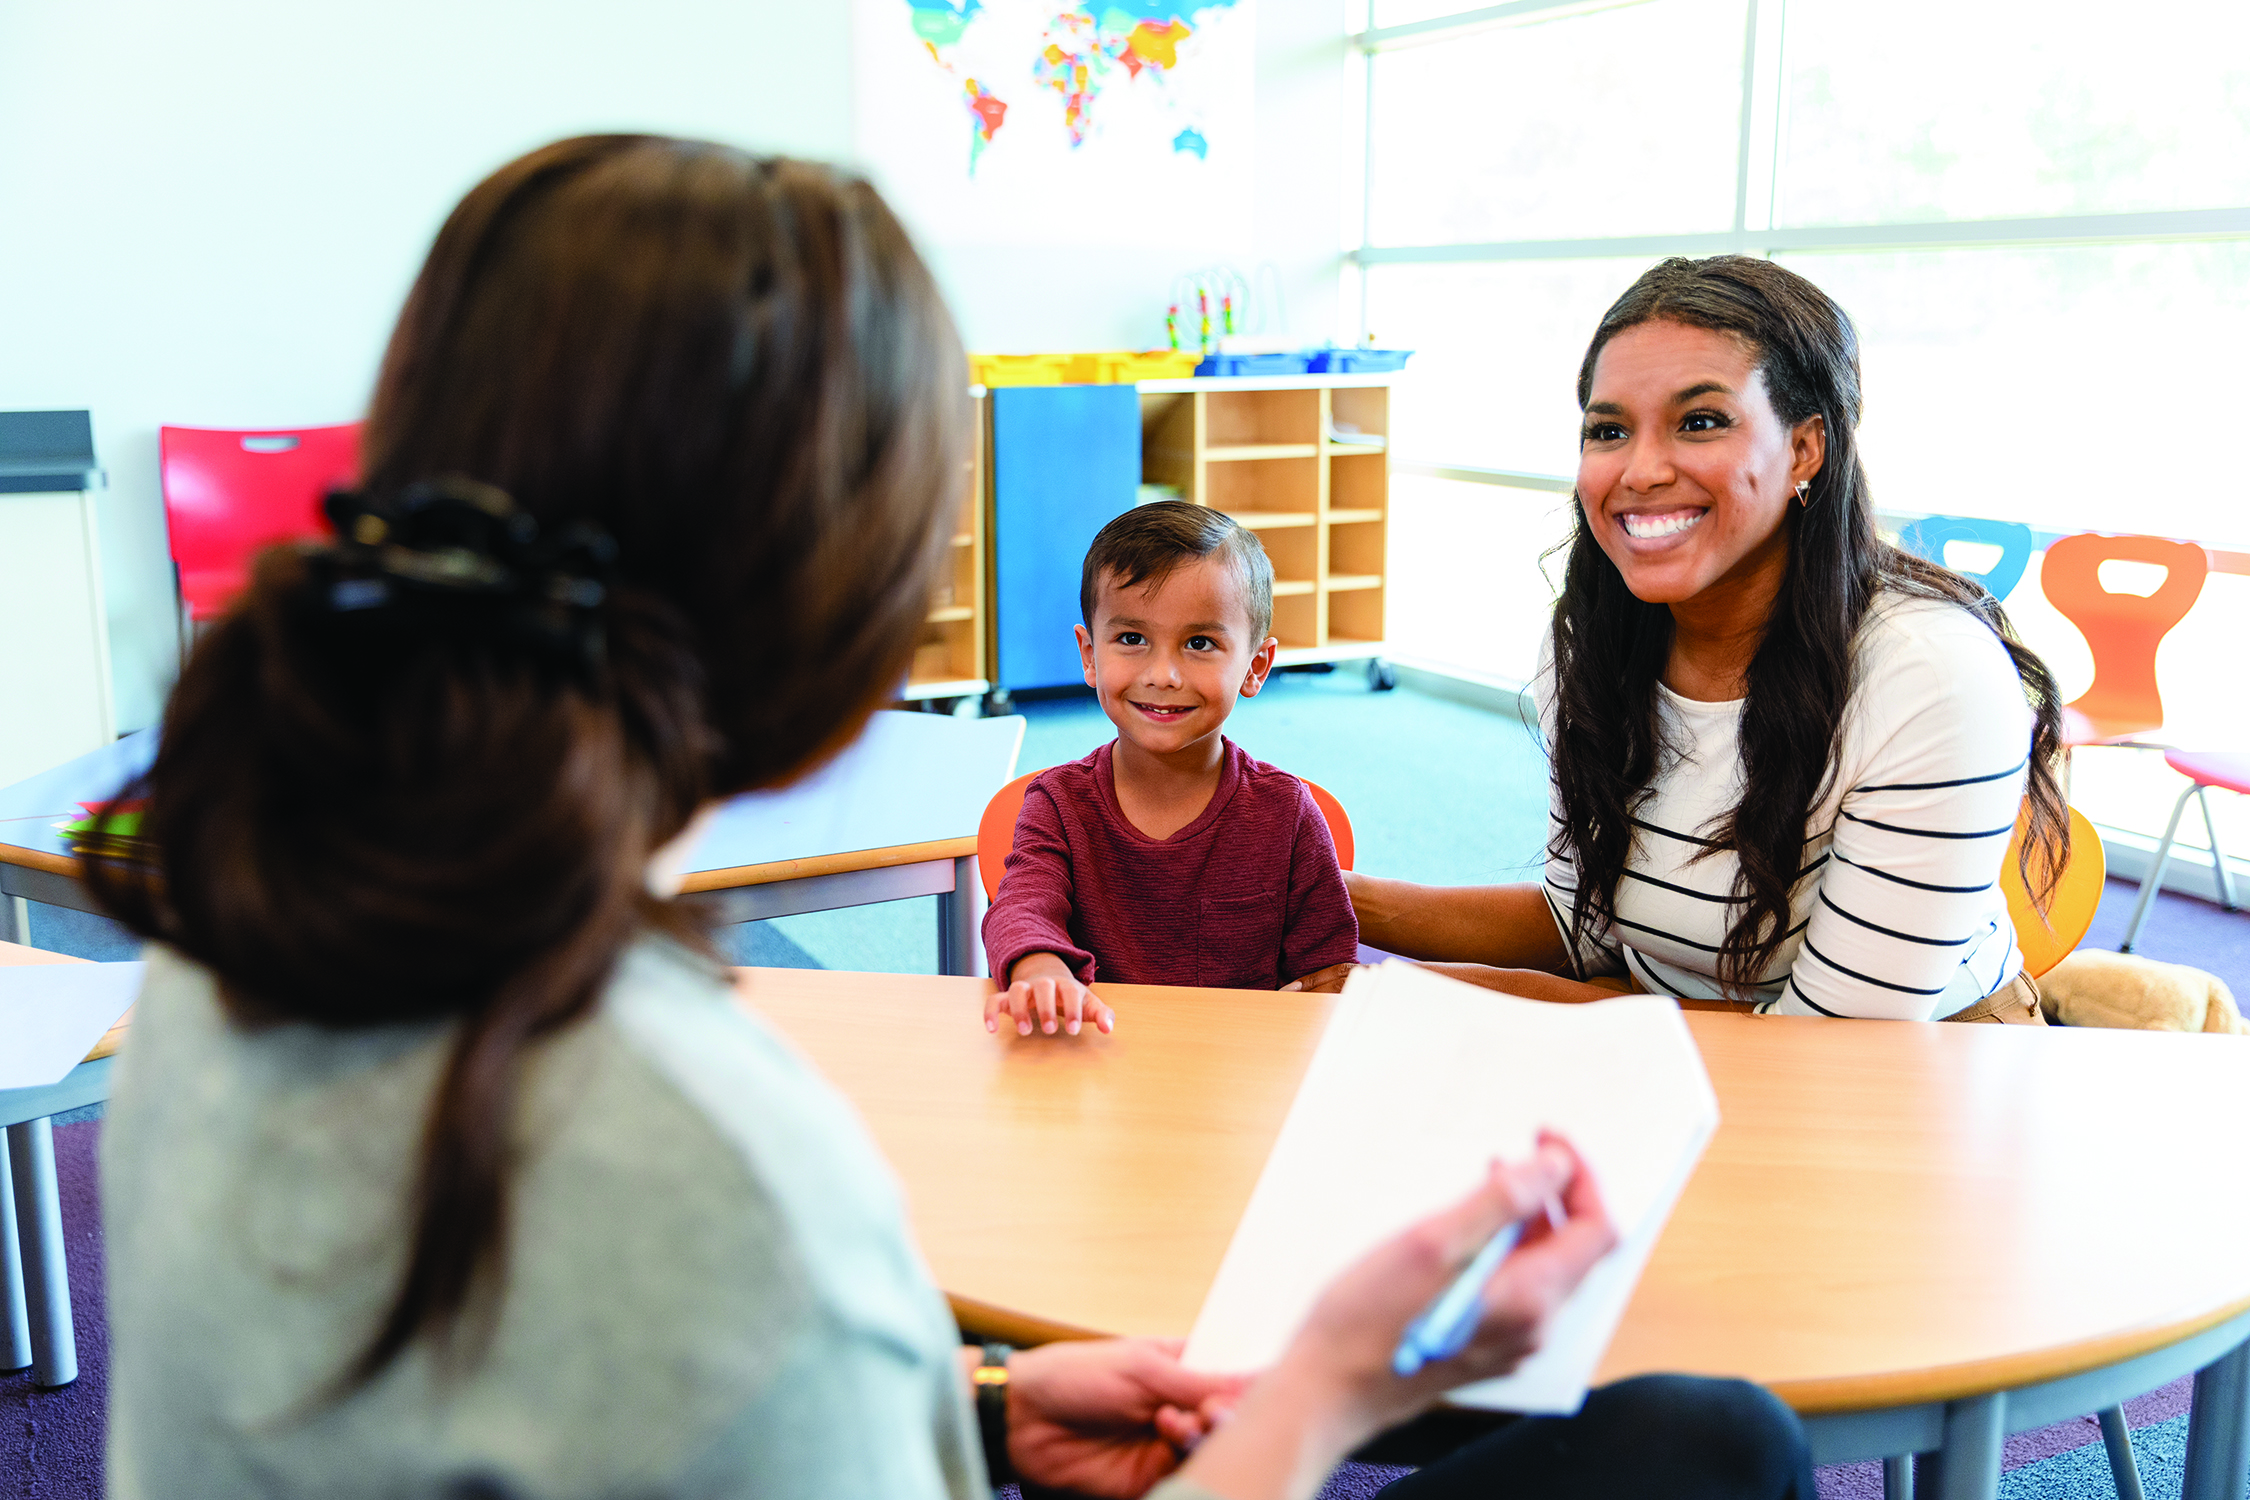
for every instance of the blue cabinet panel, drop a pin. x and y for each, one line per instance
(1065, 460)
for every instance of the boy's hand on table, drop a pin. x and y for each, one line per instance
(1328, 981)
(1043, 992)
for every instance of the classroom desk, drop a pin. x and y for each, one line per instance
(36, 1328)
(894, 815)
(1922, 1237)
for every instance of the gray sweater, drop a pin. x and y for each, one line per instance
(710, 1288)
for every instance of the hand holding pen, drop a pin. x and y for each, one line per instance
(1339, 1374)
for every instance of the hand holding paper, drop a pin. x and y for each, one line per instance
(1335, 1386)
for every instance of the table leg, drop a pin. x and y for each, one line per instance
(2218, 1445)
(1898, 1477)
(2124, 1469)
(1968, 1465)
(15, 1352)
(15, 920)
(960, 921)
(46, 1271)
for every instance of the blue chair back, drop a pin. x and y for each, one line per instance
(1927, 537)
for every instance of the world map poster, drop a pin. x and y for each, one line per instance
(1032, 121)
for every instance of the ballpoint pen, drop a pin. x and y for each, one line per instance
(1446, 1325)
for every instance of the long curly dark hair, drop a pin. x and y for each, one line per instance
(1610, 648)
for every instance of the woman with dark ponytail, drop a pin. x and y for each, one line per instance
(1786, 756)
(445, 1159)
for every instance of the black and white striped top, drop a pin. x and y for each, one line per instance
(1898, 913)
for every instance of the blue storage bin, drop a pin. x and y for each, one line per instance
(1359, 361)
(1065, 460)
(1254, 364)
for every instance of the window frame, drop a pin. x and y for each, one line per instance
(1763, 134)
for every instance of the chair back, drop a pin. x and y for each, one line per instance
(996, 830)
(2046, 940)
(229, 493)
(1927, 537)
(2122, 630)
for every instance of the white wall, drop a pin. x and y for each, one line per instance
(209, 212)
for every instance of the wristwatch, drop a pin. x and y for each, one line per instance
(991, 1381)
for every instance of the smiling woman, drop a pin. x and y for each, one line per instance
(1787, 757)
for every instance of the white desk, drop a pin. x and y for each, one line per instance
(894, 815)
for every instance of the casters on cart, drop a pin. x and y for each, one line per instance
(999, 701)
(1381, 675)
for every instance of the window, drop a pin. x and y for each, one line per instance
(2037, 215)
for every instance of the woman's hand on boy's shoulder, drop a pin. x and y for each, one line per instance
(1328, 981)
(1042, 992)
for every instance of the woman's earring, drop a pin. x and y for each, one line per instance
(1804, 492)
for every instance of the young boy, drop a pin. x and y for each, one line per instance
(1167, 856)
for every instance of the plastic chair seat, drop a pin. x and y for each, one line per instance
(2080, 728)
(2227, 770)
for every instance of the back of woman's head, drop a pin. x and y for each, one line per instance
(382, 796)
(1610, 648)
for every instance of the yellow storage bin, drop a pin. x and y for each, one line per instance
(1123, 366)
(1103, 367)
(1021, 369)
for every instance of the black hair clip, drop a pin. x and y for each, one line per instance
(458, 541)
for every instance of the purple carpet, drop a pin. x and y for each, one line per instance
(51, 1441)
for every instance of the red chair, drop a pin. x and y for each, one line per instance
(996, 830)
(2123, 630)
(228, 493)
(2203, 769)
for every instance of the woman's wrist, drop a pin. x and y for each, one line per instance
(1288, 1432)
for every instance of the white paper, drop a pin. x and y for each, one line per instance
(52, 1014)
(1417, 1084)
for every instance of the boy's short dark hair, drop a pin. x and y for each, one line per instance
(1146, 543)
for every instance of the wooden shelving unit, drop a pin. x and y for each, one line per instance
(951, 660)
(1264, 452)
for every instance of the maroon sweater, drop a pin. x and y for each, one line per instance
(1248, 896)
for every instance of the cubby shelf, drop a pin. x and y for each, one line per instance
(950, 661)
(1261, 452)
(1266, 520)
(1245, 452)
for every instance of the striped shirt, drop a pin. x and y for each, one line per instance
(1897, 912)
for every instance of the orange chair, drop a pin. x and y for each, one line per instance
(2123, 630)
(228, 493)
(2047, 940)
(996, 830)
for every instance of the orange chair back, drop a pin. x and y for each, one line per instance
(2046, 941)
(996, 830)
(2122, 630)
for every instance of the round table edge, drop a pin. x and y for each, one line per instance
(1808, 1398)
(1895, 1388)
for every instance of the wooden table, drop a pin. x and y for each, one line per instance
(895, 815)
(1922, 1237)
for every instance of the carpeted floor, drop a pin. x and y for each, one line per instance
(1438, 791)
